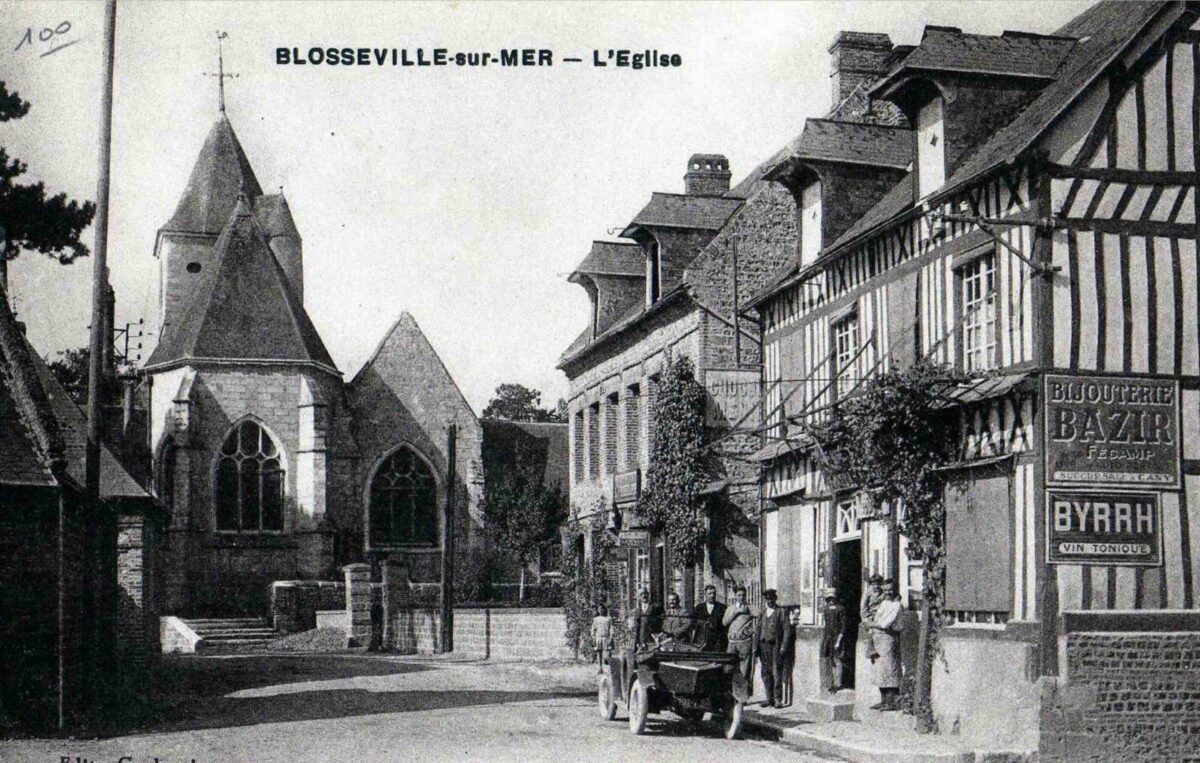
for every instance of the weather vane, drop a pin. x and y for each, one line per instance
(221, 75)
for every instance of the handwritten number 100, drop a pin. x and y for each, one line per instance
(45, 35)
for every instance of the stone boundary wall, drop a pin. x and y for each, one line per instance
(1130, 693)
(498, 634)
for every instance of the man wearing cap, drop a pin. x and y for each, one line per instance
(870, 604)
(833, 639)
(771, 627)
(739, 621)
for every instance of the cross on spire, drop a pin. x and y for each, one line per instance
(221, 75)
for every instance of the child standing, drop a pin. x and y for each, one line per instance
(602, 636)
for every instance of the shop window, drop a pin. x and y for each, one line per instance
(403, 502)
(249, 481)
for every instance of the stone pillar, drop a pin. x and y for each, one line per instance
(314, 533)
(397, 603)
(358, 604)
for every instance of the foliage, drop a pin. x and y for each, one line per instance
(31, 220)
(589, 586)
(70, 368)
(476, 575)
(675, 477)
(890, 438)
(516, 402)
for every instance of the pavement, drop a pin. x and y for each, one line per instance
(363, 707)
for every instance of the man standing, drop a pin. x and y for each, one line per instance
(677, 625)
(739, 621)
(771, 629)
(833, 639)
(645, 621)
(707, 621)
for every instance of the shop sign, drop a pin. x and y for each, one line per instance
(1104, 528)
(732, 394)
(1112, 430)
(627, 487)
(634, 539)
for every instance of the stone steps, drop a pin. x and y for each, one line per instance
(226, 635)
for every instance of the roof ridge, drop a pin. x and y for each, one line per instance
(33, 405)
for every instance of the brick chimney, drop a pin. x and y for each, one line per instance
(855, 58)
(707, 175)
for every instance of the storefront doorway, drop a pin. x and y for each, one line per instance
(848, 585)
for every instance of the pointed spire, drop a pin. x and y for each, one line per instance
(220, 173)
(221, 75)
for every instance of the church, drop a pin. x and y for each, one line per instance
(271, 464)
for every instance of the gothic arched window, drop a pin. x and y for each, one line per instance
(403, 502)
(249, 481)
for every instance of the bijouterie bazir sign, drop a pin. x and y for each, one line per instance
(1112, 431)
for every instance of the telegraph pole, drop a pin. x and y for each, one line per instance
(448, 542)
(98, 342)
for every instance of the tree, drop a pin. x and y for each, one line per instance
(515, 402)
(30, 219)
(521, 513)
(70, 368)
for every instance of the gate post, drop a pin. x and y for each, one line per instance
(358, 604)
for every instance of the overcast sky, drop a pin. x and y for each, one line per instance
(463, 196)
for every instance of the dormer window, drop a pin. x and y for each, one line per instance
(931, 148)
(653, 274)
(810, 222)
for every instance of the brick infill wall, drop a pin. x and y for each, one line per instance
(1128, 696)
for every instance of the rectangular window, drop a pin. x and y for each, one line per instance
(593, 437)
(633, 427)
(653, 273)
(845, 348)
(577, 445)
(810, 223)
(978, 300)
(611, 408)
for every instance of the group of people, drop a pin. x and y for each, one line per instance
(771, 636)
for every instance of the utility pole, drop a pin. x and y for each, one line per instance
(98, 342)
(448, 542)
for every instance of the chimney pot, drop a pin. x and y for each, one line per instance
(707, 175)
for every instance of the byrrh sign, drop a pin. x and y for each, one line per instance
(1112, 430)
(1102, 527)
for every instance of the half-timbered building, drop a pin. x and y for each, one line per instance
(1041, 240)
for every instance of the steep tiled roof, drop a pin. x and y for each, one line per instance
(115, 480)
(1103, 31)
(673, 210)
(621, 258)
(275, 216)
(1013, 54)
(242, 308)
(221, 172)
(31, 445)
(853, 143)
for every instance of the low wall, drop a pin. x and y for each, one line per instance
(984, 686)
(1130, 689)
(499, 634)
(295, 603)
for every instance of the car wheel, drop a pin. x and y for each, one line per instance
(605, 699)
(733, 720)
(638, 707)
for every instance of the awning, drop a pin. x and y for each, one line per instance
(774, 450)
(979, 390)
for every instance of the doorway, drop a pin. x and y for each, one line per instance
(848, 584)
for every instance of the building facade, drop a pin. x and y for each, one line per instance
(272, 465)
(668, 291)
(1042, 242)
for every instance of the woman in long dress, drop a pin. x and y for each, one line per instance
(885, 631)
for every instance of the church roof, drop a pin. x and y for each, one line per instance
(221, 172)
(242, 308)
(31, 447)
(275, 216)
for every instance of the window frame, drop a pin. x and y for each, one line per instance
(849, 319)
(221, 457)
(438, 504)
(967, 272)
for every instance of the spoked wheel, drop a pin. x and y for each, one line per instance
(638, 707)
(605, 699)
(733, 719)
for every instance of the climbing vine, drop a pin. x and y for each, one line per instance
(590, 585)
(890, 439)
(676, 477)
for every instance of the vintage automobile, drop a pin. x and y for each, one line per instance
(677, 676)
